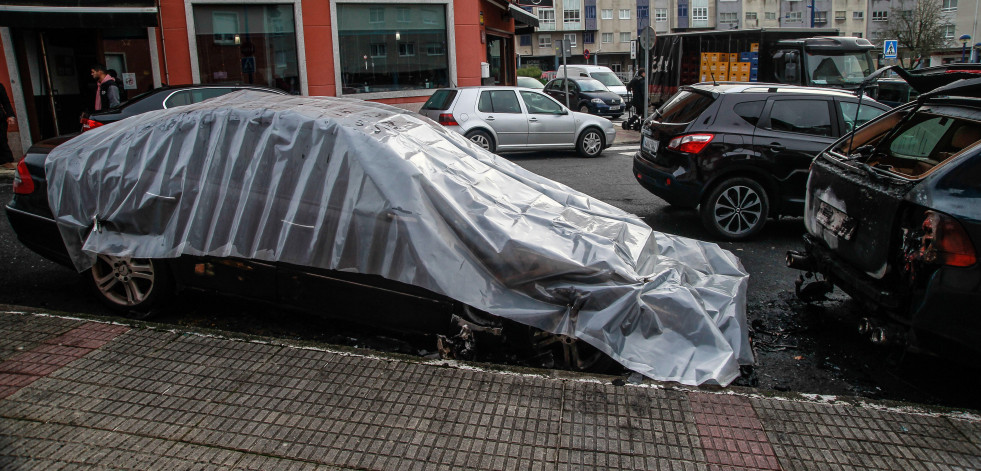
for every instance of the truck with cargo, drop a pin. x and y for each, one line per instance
(810, 57)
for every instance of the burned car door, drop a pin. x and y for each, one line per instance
(790, 134)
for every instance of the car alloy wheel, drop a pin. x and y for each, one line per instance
(129, 284)
(569, 353)
(736, 209)
(482, 139)
(591, 143)
(584, 109)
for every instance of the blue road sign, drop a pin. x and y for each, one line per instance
(890, 47)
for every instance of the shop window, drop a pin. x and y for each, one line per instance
(417, 32)
(253, 44)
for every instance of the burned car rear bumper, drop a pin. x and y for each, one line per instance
(817, 257)
(942, 316)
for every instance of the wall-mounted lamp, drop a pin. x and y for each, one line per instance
(398, 37)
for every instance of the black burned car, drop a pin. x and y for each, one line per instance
(893, 218)
(740, 151)
(167, 96)
(370, 214)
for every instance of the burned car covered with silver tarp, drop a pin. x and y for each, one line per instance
(363, 188)
(893, 215)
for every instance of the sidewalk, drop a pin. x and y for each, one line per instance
(76, 393)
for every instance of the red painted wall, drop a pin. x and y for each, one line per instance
(5, 80)
(173, 26)
(319, 46)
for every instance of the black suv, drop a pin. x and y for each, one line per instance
(587, 96)
(741, 151)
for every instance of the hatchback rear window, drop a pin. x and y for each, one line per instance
(441, 100)
(684, 107)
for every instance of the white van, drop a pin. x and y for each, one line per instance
(598, 72)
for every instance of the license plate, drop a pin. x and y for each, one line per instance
(836, 221)
(614, 108)
(650, 145)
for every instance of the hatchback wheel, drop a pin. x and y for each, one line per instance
(736, 209)
(584, 109)
(130, 284)
(591, 143)
(482, 139)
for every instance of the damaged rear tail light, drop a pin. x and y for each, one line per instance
(447, 119)
(23, 183)
(945, 241)
(90, 124)
(691, 143)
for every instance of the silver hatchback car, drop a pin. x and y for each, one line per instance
(505, 119)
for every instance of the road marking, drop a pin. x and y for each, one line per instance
(624, 147)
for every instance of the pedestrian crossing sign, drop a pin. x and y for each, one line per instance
(889, 48)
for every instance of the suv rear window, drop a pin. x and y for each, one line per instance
(684, 107)
(441, 100)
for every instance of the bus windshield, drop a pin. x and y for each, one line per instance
(830, 68)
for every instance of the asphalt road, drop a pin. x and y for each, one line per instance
(806, 348)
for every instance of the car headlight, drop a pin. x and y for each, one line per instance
(596, 100)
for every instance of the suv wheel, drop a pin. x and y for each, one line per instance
(590, 143)
(736, 209)
(482, 139)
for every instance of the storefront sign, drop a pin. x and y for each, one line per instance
(536, 3)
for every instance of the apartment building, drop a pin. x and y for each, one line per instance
(960, 16)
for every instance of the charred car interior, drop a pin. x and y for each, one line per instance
(893, 218)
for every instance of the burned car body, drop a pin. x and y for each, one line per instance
(390, 201)
(893, 216)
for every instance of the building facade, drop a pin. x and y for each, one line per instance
(394, 52)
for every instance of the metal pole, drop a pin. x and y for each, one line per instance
(647, 78)
(812, 13)
(974, 30)
(47, 78)
(565, 72)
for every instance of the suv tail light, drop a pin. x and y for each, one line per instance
(90, 124)
(945, 241)
(447, 119)
(691, 143)
(23, 183)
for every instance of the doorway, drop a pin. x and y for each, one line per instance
(500, 56)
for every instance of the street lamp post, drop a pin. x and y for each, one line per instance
(965, 38)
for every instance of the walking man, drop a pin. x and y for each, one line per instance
(6, 120)
(636, 87)
(106, 90)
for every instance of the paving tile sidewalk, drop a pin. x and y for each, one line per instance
(82, 394)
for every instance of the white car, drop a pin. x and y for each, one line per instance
(503, 119)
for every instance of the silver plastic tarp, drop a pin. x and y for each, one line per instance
(368, 188)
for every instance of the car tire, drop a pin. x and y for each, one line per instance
(736, 209)
(591, 143)
(482, 139)
(130, 285)
(583, 109)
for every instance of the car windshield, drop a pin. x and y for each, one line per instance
(590, 85)
(838, 68)
(607, 78)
